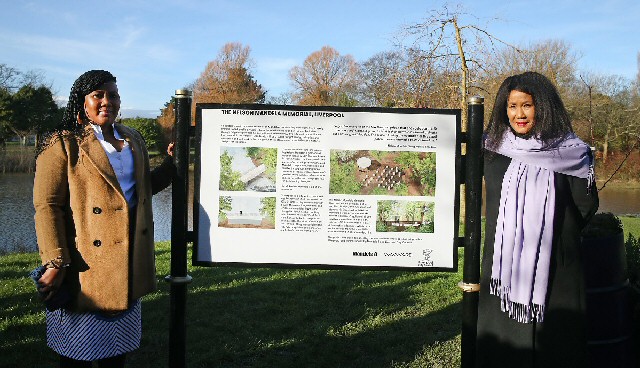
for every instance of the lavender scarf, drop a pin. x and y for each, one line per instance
(524, 230)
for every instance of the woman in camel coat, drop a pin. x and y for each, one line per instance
(94, 224)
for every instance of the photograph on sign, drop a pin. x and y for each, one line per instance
(327, 187)
(247, 212)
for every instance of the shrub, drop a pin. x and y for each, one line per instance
(343, 177)
(402, 189)
(381, 227)
(602, 225)
(150, 130)
(344, 156)
(632, 248)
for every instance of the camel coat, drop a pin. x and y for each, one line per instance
(82, 218)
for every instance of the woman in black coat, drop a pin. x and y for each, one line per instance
(540, 192)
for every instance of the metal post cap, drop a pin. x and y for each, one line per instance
(183, 93)
(476, 100)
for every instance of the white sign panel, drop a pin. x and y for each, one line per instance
(328, 187)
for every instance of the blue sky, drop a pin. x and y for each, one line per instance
(156, 47)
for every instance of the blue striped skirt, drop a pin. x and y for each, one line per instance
(92, 336)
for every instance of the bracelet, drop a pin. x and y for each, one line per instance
(56, 263)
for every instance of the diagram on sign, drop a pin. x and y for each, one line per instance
(370, 172)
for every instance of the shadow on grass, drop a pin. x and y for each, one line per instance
(258, 317)
(22, 327)
(307, 318)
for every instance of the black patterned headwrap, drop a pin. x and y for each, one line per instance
(85, 84)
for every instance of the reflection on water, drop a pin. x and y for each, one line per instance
(619, 201)
(17, 228)
(16, 213)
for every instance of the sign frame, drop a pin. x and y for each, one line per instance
(327, 109)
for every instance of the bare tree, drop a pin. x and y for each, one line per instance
(590, 111)
(408, 78)
(456, 50)
(12, 79)
(35, 78)
(553, 58)
(384, 79)
(610, 110)
(283, 98)
(325, 78)
(9, 77)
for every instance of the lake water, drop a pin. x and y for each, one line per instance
(16, 211)
(17, 232)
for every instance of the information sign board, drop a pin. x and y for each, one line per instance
(327, 187)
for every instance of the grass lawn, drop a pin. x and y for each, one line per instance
(258, 317)
(631, 226)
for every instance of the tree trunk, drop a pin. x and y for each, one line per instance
(463, 105)
(605, 145)
(464, 78)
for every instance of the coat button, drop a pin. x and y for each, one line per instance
(97, 243)
(97, 210)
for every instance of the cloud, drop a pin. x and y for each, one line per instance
(36, 9)
(61, 100)
(139, 113)
(47, 47)
(131, 35)
(125, 48)
(162, 53)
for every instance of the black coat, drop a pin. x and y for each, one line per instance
(559, 341)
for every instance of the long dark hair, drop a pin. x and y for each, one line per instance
(85, 84)
(551, 117)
